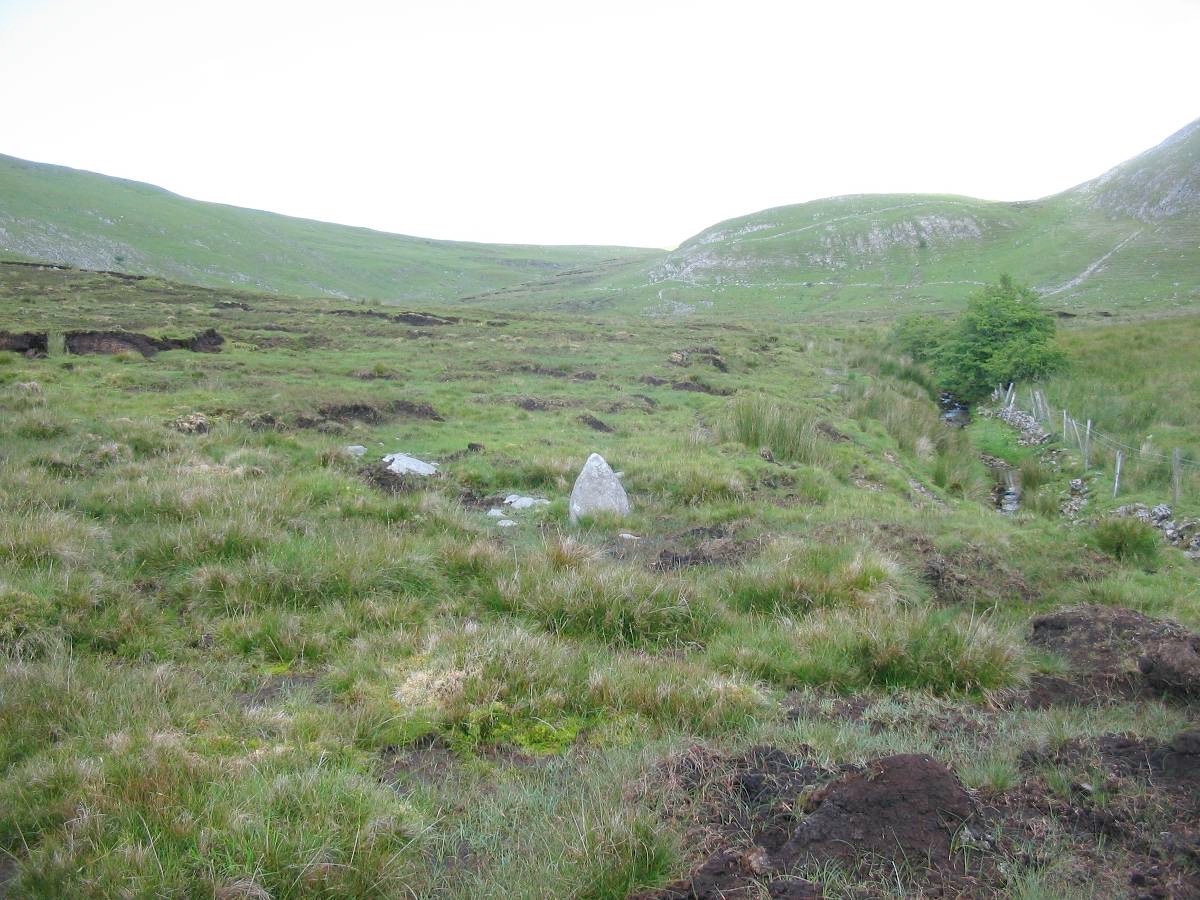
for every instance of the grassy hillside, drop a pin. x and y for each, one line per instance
(92, 221)
(1129, 238)
(236, 661)
(1123, 243)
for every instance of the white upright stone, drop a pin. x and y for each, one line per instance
(597, 489)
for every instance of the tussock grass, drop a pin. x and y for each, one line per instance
(45, 537)
(1129, 540)
(300, 572)
(792, 578)
(570, 594)
(790, 432)
(230, 664)
(888, 648)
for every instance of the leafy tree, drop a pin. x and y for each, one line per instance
(1002, 336)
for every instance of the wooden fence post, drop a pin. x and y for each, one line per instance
(1176, 477)
(1087, 446)
(1117, 479)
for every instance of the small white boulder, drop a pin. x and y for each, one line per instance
(403, 464)
(505, 523)
(356, 450)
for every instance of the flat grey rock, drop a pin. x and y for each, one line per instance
(356, 450)
(505, 523)
(496, 513)
(597, 490)
(518, 501)
(403, 464)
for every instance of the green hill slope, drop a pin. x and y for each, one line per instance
(1126, 241)
(1117, 243)
(93, 221)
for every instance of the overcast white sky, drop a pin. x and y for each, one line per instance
(600, 122)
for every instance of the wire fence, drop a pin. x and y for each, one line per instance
(1088, 438)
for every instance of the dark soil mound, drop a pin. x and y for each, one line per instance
(423, 319)
(1173, 765)
(902, 808)
(706, 546)
(351, 412)
(1140, 797)
(700, 387)
(739, 810)
(1116, 652)
(379, 476)
(735, 876)
(131, 341)
(538, 404)
(415, 410)
(905, 809)
(371, 414)
(30, 342)
(403, 318)
(595, 424)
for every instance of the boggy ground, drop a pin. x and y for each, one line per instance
(238, 662)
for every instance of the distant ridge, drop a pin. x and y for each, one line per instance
(1126, 240)
(93, 221)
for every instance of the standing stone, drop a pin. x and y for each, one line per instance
(597, 489)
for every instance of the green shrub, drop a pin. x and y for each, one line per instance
(1002, 336)
(921, 337)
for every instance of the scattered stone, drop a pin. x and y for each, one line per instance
(403, 464)
(678, 358)
(597, 489)
(518, 501)
(231, 304)
(505, 523)
(626, 536)
(494, 513)
(192, 423)
(1032, 432)
(356, 450)
(1077, 499)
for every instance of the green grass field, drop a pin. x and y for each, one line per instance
(240, 663)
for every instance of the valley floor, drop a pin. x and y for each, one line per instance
(242, 662)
